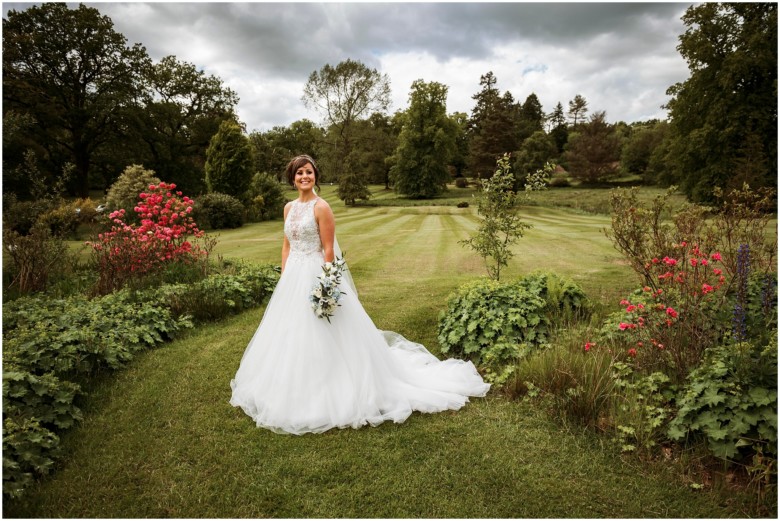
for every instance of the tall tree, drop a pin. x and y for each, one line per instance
(182, 108)
(594, 150)
(229, 161)
(344, 94)
(578, 108)
(558, 129)
(640, 146)
(376, 140)
(75, 75)
(492, 129)
(723, 118)
(461, 158)
(426, 143)
(531, 117)
(274, 148)
(534, 153)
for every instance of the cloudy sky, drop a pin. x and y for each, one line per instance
(620, 56)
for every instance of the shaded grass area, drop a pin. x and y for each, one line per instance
(161, 440)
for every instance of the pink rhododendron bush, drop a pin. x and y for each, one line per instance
(164, 237)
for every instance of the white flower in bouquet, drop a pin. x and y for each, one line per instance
(325, 295)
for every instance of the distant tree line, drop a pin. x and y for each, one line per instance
(77, 98)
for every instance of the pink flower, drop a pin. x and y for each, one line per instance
(704, 262)
(671, 312)
(715, 256)
(706, 288)
(655, 260)
(588, 345)
(623, 326)
(669, 261)
(630, 309)
(694, 262)
(632, 352)
(716, 271)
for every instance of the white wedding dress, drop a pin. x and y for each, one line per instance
(301, 374)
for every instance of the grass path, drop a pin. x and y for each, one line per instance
(160, 439)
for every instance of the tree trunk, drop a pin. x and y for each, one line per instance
(81, 158)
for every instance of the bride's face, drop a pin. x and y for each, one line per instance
(305, 178)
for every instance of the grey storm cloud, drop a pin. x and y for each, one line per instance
(621, 56)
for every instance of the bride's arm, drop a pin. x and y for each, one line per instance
(286, 243)
(327, 225)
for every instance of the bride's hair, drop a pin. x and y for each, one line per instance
(297, 162)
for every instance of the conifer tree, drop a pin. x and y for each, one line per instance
(229, 161)
(426, 144)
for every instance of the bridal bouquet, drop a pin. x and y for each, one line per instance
(325, 295)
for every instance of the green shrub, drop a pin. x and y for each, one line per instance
(644, 408)
(77, 335)
(266, 198)
(29, 451)
(494, 324)
(559, 180)
(731, 401)
(565, 299)
(218, 211)
(461, 182)
(50, 343)
(219, 295)
(487, 321)
(123, 194)
(62, 220)
(35, 259)
(21, 216)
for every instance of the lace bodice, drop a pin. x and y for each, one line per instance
(302, 231)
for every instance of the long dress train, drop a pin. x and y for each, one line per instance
(302, 374)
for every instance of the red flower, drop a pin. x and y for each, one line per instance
(632, 352)
(706, 288)
(671, 312)
(694, 262)
(588, 345)
(715, 256)
(623, 326)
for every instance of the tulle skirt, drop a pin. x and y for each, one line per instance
(302, 374)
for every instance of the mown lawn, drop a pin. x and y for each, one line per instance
(160, 439)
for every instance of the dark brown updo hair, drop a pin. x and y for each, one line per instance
(296, 163)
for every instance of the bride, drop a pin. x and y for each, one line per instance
(302, 374)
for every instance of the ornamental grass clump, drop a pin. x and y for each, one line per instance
(129, 252)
